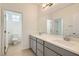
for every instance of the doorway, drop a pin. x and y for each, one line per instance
(49, 26)
(58, 26)
(12, 30)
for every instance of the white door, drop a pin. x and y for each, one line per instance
(4, 33)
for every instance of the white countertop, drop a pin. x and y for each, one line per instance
(72, 45)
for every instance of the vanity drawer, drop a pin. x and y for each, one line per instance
(49, 52)
(39, 41)
(59, 50)
(40, 47)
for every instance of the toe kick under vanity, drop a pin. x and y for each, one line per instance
(48, 45)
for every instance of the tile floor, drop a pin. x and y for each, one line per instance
(15, 50)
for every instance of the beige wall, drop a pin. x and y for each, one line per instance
(29, 12)
(42, 17)
(29, 23)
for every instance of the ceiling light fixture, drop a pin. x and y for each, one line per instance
(47, 5)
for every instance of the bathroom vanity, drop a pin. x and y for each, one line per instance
(52, 45)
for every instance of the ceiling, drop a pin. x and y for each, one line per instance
(56, 7)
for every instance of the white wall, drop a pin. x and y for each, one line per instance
(29, 12)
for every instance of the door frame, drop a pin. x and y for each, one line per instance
(1, 39)
(62, 24)
(2, 28)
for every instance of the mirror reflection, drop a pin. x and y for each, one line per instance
(60, 22)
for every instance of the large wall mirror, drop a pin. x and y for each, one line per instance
(55, 26)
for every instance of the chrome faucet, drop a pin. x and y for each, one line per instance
(40, 33)
(66, 38)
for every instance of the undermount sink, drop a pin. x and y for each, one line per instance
(67, 39)
(70, 38)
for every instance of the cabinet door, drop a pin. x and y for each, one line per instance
(39, 41)
(40, 46)
(49, 52)
(33, 45)
(39, 49)
(39, 53)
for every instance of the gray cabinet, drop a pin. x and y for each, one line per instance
(39, 41)
(39, 47)
(33, 44)
(39, 52)
(59, 50)
(49, 52)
